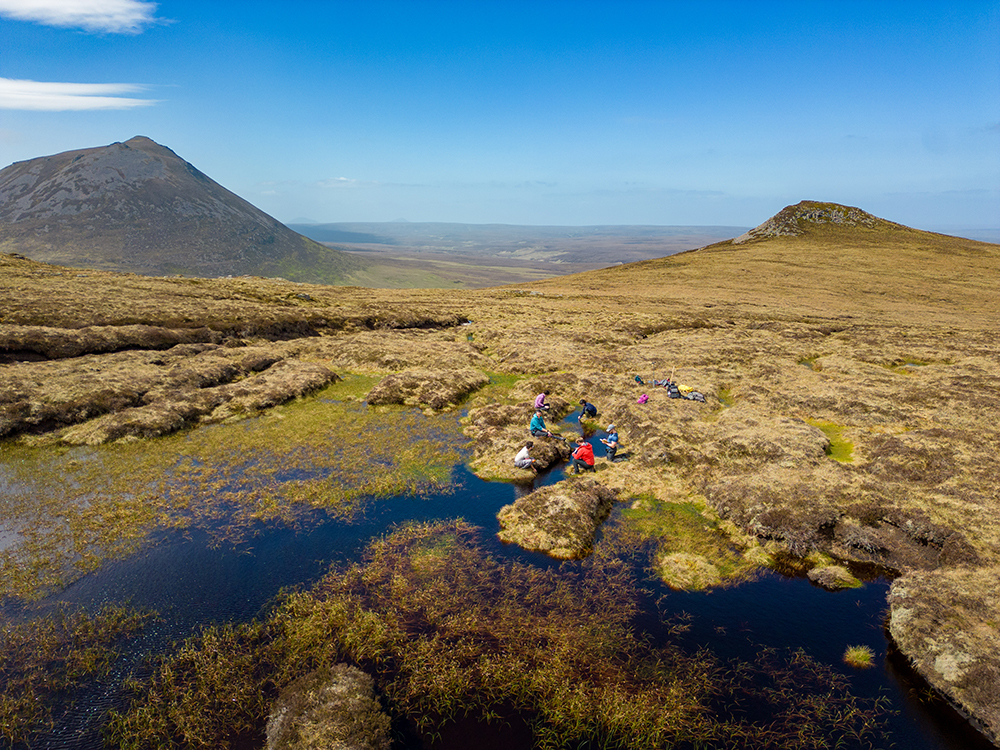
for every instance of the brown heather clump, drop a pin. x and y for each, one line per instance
(434, 389)
(882, 337)
(950, 621)
(560, 520)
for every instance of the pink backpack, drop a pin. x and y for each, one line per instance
(642, 399)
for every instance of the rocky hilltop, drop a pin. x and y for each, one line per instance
(793, 221)
(138, 207)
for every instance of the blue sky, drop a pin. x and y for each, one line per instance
(529, 112)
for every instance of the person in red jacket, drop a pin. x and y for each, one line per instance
(583, 457)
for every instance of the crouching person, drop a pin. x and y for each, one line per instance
(583, 457)
(523, 459)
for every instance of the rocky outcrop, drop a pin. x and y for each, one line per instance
(329, 708)
(435, 389)
(560, 520)
(945, 622)
(793, 220)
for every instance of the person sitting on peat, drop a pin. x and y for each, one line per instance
(583, 457)
(587, 410)
(540, 404)
(537, 426)
(611, 443)
(523, 459)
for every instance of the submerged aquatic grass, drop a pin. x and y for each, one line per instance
(49, 656)
(448, 631)
(74, 508)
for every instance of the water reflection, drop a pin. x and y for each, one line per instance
(191, 581)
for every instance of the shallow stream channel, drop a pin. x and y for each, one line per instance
(192, 576)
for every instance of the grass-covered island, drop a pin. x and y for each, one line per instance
(851, 374)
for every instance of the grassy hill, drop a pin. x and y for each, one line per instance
(868, 272)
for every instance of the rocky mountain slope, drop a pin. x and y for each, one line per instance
(138, 207)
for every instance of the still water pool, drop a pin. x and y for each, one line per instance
(191, 583)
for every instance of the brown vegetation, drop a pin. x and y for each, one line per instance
(560, 520)
(435, 389)
(451, 632)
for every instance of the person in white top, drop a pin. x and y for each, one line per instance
(523, 459)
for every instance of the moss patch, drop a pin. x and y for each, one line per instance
(840, 449)
(693, 550)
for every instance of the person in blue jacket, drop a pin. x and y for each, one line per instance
(611, 443)
(587, 410)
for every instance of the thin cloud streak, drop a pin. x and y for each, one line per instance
(99, 16)
(63, 97)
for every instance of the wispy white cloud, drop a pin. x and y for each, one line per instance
(345, 182)
(61, 97)
(109, 16)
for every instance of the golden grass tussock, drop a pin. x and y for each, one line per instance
(859, 657)
(449, 632)
(331, 707)
(833, 577)
(560, 520)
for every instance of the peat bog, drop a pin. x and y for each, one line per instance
(753, 659)
(217, 429)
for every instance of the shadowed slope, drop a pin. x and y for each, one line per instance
(137, 206)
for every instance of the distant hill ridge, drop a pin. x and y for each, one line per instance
(137, 206)
(796, 220)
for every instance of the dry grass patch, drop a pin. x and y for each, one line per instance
(560, 520)
(947, 623)
(434, 389)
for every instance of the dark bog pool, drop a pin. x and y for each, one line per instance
(190, 584)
